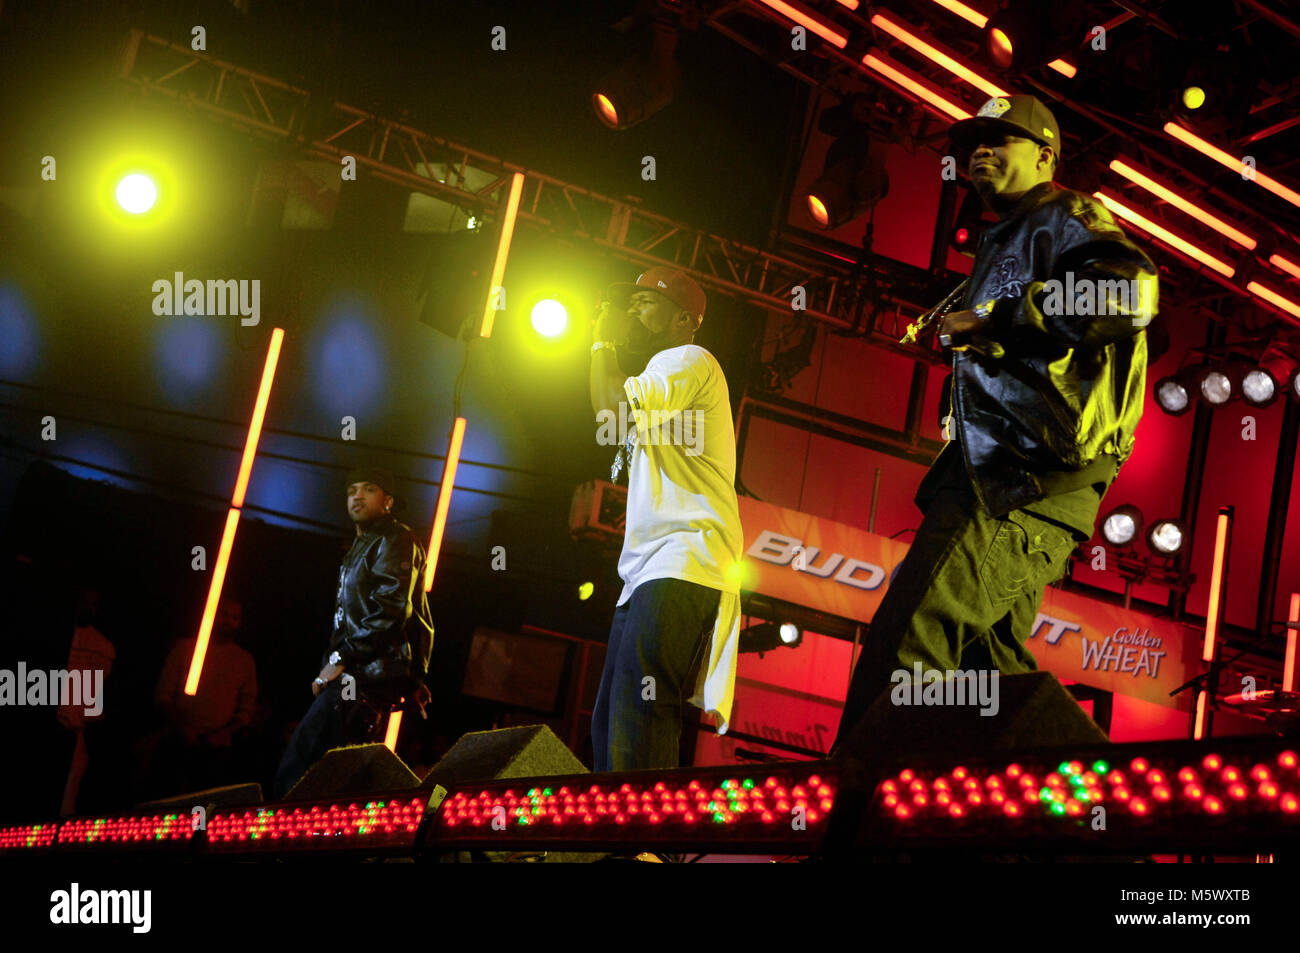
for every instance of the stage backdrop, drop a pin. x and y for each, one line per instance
(793, 696)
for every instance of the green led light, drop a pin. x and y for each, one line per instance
(719, 819)
(748, 783)
(1100, 767)
(1076, 780)
(1058, 809)
(1063, 767)
(532, 792)
(1045, 794)
(547, 792)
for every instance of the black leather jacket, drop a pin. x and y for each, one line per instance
(382, 627)
(1069, 387)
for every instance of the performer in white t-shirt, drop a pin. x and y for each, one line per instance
(677, 626)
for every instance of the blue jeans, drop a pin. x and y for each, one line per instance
(656, 643)
(330, 722)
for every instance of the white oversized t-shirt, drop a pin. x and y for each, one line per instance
(683, 521)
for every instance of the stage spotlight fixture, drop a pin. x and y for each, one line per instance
(1165, 537)
(136, 193)
(766, 636)
(1263, 384)
(1025, 35)
(1122, 525)
(853, 180)
(549, 318)
(585, 590)
(1215, 386)
(1173, 395)
(643, 85)
(1193, 97)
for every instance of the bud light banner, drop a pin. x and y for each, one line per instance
(844, 571)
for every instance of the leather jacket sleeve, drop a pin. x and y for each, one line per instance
(1101, 287)
(384, 603)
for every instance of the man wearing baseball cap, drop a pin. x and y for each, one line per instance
(1049, 358)
(382, 634)
(677, 626)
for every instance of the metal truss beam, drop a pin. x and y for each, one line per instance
(869, 301)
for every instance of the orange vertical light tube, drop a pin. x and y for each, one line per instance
(1198, 732)
(259, 414)
(1288, 666)
(1213, 613)
(232, 518)
(444, 500)
(503, 252)
(394, 727)
(214, 599)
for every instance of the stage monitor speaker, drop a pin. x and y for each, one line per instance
(524, 752)
(232, 795)
(354, 770)
(1033, 711)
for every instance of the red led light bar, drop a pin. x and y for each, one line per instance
(914, 85)
(769, 808)
(1187, 137)
(808, 21)
(382, 824)
(1171, 795)
(1174, 241)
(1284, 264)
(1273, 298)
(27, 836)
(151, 830)
(929, 51)
(1138, 177)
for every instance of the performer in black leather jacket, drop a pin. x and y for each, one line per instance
(378, 652)
(1049, 374)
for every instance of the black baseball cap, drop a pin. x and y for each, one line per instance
(379, 477)
(1019, 115)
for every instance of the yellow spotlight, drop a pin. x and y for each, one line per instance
(817, 209)
(1193, 97)
(1001, 49)
(585, 591)
(136, 193)
(549, 317)
(605, 110)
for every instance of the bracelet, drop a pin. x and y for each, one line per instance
(336, 659)
(600, 345)
(319, 681)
